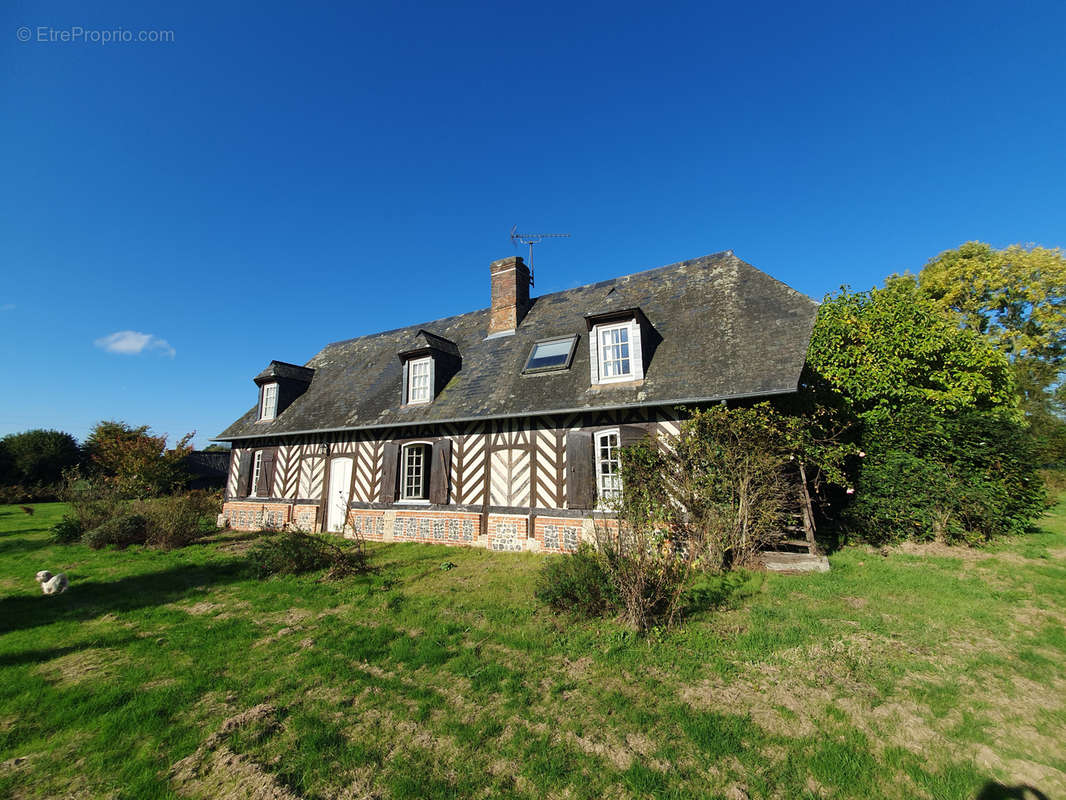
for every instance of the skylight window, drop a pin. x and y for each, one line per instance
(551, 354)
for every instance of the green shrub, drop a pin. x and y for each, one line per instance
(295, 552)
(180, 519)
(122, 531)
(67, 531)
(968, 477)
(92, 501)
(577, 582)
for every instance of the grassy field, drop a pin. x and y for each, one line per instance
(921, 673)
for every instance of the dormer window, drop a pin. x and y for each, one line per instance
(616, 362)
(428, 364)
(615, 352)
(268, 401)
(419, 380)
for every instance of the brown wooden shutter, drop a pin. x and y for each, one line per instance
(244, 471)
(580, 470)
(390, 468)
(631, 434)
(403, 391)
(440, 471)
(266, 473)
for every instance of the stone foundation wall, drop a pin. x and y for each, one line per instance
(502, 532)
(245, 515)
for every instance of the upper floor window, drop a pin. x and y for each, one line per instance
(608, 467)
(551, 354)
(268, 403)
(414, 472)
(419, 380)
(615, 355)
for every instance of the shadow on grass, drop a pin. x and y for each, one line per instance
(994, 790)
(17, 545)
(89, 599)
(49, 653)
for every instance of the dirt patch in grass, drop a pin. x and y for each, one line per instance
(216, 771)
(91, 664)
(199, 609)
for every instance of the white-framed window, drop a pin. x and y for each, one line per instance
(419, 380)
(268, 403)
(257, 469)
(615, 358)
(608, 467)
(414, 471)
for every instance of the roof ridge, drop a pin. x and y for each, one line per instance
(423, 325)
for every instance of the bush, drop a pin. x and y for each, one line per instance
(122, 531)
(577, 582)
(965, 478)
(179, 519)
(92, 501)
(67, 531)
(296, 552)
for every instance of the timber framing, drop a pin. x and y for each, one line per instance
(511, 458)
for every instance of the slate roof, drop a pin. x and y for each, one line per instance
(283, 369)
(727, 330)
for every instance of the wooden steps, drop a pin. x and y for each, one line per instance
(794, 562)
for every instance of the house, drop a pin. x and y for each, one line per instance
(500, 428)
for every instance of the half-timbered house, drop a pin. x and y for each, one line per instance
(500, 428)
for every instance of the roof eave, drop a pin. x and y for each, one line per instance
(454, 420)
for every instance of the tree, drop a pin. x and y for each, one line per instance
(1016, 297)
(137, 461)
(37, 457)
(888, 348)
(945, 450)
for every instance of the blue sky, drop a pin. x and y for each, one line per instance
(281, 176)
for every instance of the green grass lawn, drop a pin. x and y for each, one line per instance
(917, 674)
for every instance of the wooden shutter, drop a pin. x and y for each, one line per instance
(440, 471)
(244, 471)
(266, 473)
(403, 392)
(580, 470)
(390, 468)
(630, 435)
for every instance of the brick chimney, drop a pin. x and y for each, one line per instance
(510, 294)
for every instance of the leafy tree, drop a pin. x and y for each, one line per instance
(887, 348)
(136, 460)
(1016, 296)
(37, 457)
(945, 450)
(217, 448)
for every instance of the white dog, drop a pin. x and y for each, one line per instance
(52, 584)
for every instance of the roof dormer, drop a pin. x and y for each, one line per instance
(279, 385)
(617, 351)
(429, 363)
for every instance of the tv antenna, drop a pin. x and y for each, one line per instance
(532, 239)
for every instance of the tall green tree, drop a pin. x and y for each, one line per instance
(888, 348)
(1016, 298)
(37, 457)
(944, 449)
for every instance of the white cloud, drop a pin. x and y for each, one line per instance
(133, 343)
